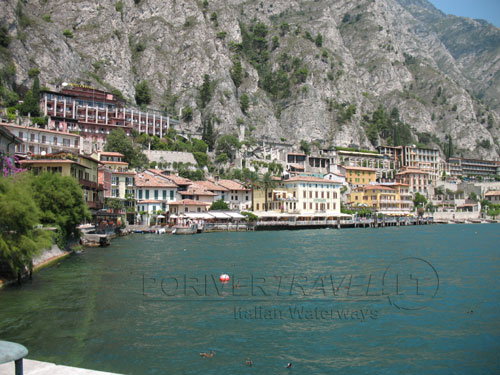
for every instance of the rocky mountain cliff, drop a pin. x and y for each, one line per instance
(338, 72)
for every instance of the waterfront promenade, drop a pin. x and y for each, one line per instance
(32, 367)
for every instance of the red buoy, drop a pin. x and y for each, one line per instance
(224, 278)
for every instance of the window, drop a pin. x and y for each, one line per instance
(310, 206)
(304, 195)
(322, 194)
(147, 193)
(77, 142)
(316, 195)
(310, 194)
(66, 142)
(304, 205)
(257, 207)
(115, 193)
(172, 195)
(327, 195)
(156, 194)
(140, 194)
(44, 139)
(21, 135)
(164, 195)
(32, 137)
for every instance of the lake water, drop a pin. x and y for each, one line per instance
(412, 300)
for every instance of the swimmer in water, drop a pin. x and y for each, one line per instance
(208, 355)
(249, 362)
(289, 365)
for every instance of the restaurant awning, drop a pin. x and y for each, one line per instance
(235, 215)
(220, 215)
(194, 215)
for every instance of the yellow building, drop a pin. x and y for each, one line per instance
(385, 199)
(299, 195)
(360, 176)
(83, 169)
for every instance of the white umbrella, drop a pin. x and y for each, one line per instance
(173, 216)
(160, 217)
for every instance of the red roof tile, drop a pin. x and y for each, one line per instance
(232, 185)
(189, 202)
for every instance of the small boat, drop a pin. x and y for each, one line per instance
(191, 229)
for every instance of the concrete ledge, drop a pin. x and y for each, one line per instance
(32, 367)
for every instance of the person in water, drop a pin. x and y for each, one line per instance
(208, 355)
(249, 362)
(289, 365)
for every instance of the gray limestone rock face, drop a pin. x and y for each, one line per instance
(441, 72)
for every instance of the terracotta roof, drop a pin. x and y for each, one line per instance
(197, 192)
(109, 153)
(52, 161)
(144, 180)
(148, 201)
(114, 162)
(232, 185)
(297, 166)
(6, 133)
(189, 202)
(377, 187)
(309, 179)
(360, 168)
(39, 129)
(179, 180)
(209, 185)
(492, 193)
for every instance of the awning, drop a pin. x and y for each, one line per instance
(235, 215)
(174, 216)
(160, 217)
(194, 215)
(219, 215)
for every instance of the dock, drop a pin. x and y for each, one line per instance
(32, 367)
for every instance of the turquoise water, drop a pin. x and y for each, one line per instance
(105, 309)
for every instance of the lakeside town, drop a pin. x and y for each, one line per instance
(309, 179)
(139, 171)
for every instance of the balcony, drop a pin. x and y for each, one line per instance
(88, 184)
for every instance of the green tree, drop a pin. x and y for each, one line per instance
(305, 146)
(252, 180)
(142, 93)
(319, 40)
(4, 36)
(205, 91)
(276, 42)
(208, 135)
(237, 72)
(199, 145)
(60, 199)
(201, 158)
(118, 141)
(187, 114)
(227, 144)
(244, 103)
(219, 205)
(285, 28)
(222, 158)
(20, 240)
(419, 200)
(268, 183)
